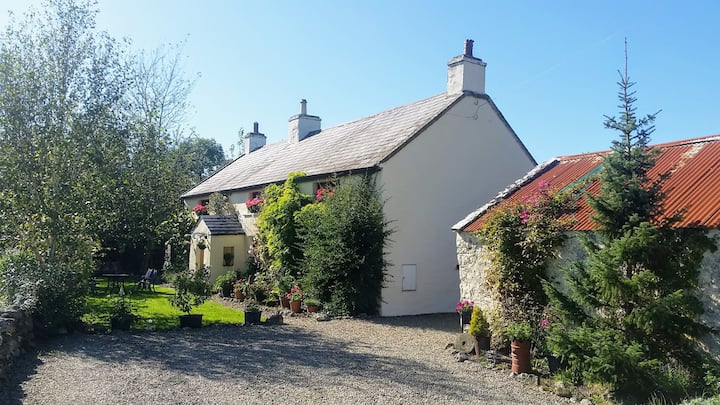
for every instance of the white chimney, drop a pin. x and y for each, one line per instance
(466, 72)
(254, 140)
(302, 125)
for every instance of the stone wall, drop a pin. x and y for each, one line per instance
(473, 259)
(15, 333)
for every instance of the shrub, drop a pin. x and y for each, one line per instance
(479, 325)
(343, 240)
(224, 282)
(53, 293)
(191, 289)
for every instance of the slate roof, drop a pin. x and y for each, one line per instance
(360, 144)
(693, 164)
(222, 225)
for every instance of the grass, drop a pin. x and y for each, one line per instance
(153, 310)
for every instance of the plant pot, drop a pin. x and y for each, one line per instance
(554, 363)
(295, 306)
(520, 356)
(284, 302)
(227, 291)
(252, 317)
(465, 317)
(239, 295)
(191, 321)
(120, 323)
(482, 343)
(312, 308)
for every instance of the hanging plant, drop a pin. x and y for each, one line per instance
(202, 244)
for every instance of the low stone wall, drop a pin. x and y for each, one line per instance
(16, 331)
(474, 261)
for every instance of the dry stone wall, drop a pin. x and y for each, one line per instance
(474, 261)
(16, 331)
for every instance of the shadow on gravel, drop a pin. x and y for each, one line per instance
(447, 322)
(253, 355)
(21, 370)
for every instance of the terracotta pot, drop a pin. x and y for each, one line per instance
(284, 302)
(312, 308)
(520, 355)
(295, 306)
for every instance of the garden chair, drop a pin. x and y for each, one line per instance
(148, 280)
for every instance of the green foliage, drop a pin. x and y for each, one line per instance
(53, 293)
(220, 205)
(277, 225)
(224, 282)
(519, 331)
(343, 240)
(629, 318)
(191, 289)
(522, 239)
(479, 325)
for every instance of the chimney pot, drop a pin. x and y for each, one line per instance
(255, 127)
(303, 107)
(468, 47)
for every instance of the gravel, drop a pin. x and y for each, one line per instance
(345, 361)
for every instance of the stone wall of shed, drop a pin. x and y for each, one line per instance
(474, 261)
(16, 331)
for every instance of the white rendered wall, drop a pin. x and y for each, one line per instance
(458, 163)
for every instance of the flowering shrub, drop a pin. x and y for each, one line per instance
(464, 306)
(295, 293)
(200, 209)
(521, 239)
(254, 204)
(323, 193)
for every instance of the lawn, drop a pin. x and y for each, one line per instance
(153, 309)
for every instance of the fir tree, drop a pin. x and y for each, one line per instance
(628, 317)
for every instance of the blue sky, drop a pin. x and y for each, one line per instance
(552, 66)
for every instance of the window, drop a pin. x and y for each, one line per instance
(204, 202)
(254, 194)
(228, 256)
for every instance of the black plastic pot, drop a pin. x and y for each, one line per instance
(252, 318)
(191, 321)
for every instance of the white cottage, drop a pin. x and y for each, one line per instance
(424, 155)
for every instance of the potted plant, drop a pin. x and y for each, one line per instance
(312, 304)
(228, 259)
(283, 285)
(295, 296)
(464, 308)
(240, 289)
(224, 284)
(191, 289)
(252, 313)
(121, 317)
(200, 209)
(520, 334)
(480, 330)
(202, 244)
(254, 205)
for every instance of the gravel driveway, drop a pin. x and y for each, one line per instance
(348, 361)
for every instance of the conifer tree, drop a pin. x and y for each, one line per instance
(629, 315)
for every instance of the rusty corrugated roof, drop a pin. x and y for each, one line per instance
(693, 164)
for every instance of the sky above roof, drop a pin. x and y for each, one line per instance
(552, 66)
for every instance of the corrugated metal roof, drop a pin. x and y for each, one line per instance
(359, 144)
(693, 164)
(222, 225)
